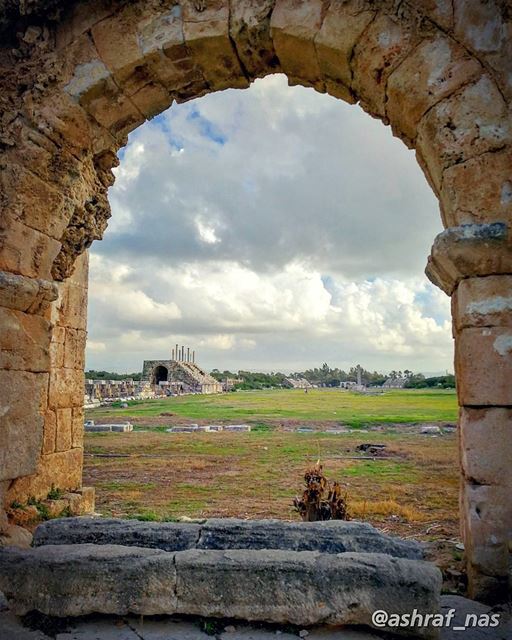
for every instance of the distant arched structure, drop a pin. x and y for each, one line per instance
(78, 76)
(160, 374)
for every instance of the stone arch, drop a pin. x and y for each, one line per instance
(159, 374)
(77, 79)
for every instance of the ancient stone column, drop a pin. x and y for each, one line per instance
(474, 264)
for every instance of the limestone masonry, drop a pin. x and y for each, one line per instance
(78, 76)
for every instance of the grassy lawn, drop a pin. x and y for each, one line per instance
(318, 405)
(157, 475)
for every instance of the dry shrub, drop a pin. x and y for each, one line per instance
(321, 499)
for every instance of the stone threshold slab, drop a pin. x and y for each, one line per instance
(335, 536)
(301, 588)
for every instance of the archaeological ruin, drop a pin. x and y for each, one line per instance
(179, 375)
(78, 76)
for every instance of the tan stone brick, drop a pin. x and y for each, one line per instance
(383, 46)
(294, 26)
(114, 111)
(57, 346)
(342, 26)
(481, 302)
(207, 37)
(74, 350)
(468, 251)
(70, 310)
(26, 294)
(483, 365)
(116, 41)
(482, 462)
(492, 43)
(77, 427)
(24, 250)
(249, 25)
(439, 11)
(152, 99)
(22, 405)
(24, 341)
(63, 440)
(433, 71)
(63, 470)
(488, 527)
(66, 388)
(49, 432)
(80, 274)
(87, 495)
(34, 202)
(467, 198)
(473, 121)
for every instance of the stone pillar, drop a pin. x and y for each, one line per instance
(473, 263)
(25, 334)
(60, 444)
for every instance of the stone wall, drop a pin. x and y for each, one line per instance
(77, 77)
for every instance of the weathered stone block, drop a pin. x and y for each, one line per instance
(294, 26)
(62, 470)
(34, 202)
(385, 43)
(57, 346)
(24, 341)
(230, 533)
(70, 310)
(24, 250)
(106, 579)
(49, 432)
(481, 463)
(77, 427)
(467, 251)
(483, 365)
(206, 31)
(467, 198)
(26, 294)
(439, 11)
(249, 25)
(434, 70)
(74, 348)
(483, 302)
(483, 27)
(470, 122)
(63, 440)
(342, 26)
(66, 388)
(22, 405)
(302, 588)
(488, 528)
(152, 99)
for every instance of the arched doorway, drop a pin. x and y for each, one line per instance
(76, 85)
(160, 374)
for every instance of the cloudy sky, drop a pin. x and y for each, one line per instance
(270, 229)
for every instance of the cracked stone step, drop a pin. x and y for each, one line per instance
(302, 588)
(335, 536)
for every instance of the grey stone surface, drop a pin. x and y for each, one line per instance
(464, 607)
(165, 628)
(168, 536)
(74, 580)
(302, 588)
(335, 536)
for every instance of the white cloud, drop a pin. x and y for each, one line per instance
(269, 228)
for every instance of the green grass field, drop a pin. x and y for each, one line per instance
(318, 405)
